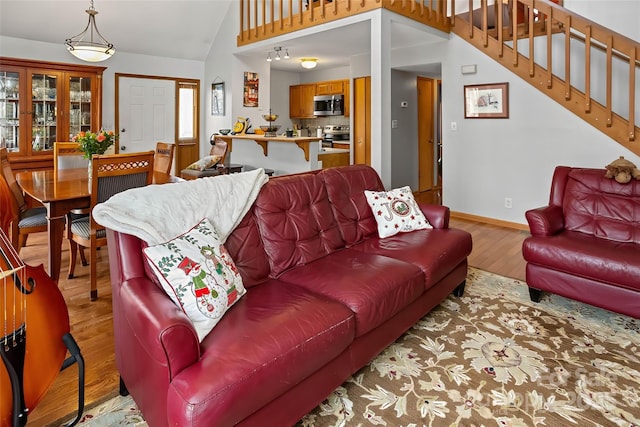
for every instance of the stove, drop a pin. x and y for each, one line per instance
(335, 133)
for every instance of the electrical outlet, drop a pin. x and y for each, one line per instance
(508, 202)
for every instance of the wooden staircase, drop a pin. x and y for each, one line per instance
(589, 69)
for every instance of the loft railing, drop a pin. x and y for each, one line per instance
(584, 66)
(263, 19)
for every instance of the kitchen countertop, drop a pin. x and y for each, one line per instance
(332, 151)
(302, 142)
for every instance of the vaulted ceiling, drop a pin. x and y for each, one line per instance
(182, 29)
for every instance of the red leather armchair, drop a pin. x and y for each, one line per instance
(585, 244)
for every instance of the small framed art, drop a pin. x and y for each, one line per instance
(217, 99)
(486, 101)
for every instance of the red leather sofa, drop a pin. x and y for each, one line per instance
(324, 296)
(585, 245)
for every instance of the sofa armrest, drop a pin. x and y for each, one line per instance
(158, 327)
(545, 221)
(437, 215)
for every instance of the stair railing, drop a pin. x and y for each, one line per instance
(263, 19)
(589, 69)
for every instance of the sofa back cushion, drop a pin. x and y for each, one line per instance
(296, 221)
(602, 207)
(245, 246)
(345, 188)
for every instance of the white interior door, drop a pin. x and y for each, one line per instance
(146, 111)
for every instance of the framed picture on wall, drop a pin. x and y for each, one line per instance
(251, 89)
(486, 101)
(217, 99)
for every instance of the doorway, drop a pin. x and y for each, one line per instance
(429, 140)
(151, 109)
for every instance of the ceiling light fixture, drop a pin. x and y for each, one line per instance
(91, 50)
(277, 50)
(309, 63)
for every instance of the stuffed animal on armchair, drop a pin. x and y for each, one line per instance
(622, 170)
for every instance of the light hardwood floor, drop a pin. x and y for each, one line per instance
(496, 249)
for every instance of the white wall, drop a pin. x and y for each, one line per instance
(486, 160)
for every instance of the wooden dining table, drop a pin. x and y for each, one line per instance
(60, 191)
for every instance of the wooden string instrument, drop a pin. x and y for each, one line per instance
(34, 320)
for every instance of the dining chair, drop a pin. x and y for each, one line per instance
(112, 174)
(164, 157)
(23, 219)
(218, 148)
(67, 155)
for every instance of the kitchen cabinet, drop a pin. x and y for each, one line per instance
(44, 102)
(332, 87)
(301, 101)
(301, 97)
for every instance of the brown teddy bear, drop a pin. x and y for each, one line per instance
(622, 170)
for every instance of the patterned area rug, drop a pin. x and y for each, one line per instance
(490, 357)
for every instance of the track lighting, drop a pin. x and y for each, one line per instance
(275, 54)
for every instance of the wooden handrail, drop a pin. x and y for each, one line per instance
(500, 39)
(612, 114)
(259, 20)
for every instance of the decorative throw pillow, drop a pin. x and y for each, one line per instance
(197, 272)
(396, 211)
(205, 163)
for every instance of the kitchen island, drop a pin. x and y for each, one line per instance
(278, 153)
(303, 142)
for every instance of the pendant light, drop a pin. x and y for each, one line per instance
(87, 48)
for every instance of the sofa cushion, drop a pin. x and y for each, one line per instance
(295, 221)
(396, 211)
(275, 337)
(586, 256)
(374, 287)
(436, 251)
(245, 247)
(198, 274)
(602, 207)
(345, 188)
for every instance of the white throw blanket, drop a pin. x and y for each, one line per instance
(158, 213)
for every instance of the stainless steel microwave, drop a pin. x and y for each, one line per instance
(328, 105)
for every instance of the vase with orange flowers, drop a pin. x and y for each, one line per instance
(91, 143)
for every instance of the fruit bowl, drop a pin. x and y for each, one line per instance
(272, 128)
(270, 117)
(224, 131)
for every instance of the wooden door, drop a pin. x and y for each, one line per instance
(428, 148)
(147, 113)
(362, 120)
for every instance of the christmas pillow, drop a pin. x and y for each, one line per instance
(197, 272)
(396, 211)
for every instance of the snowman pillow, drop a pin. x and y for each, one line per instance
(197, 272)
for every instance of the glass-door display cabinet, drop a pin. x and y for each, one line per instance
(44, 102)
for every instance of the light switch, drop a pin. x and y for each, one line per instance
(454, 126)
(394, 124)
